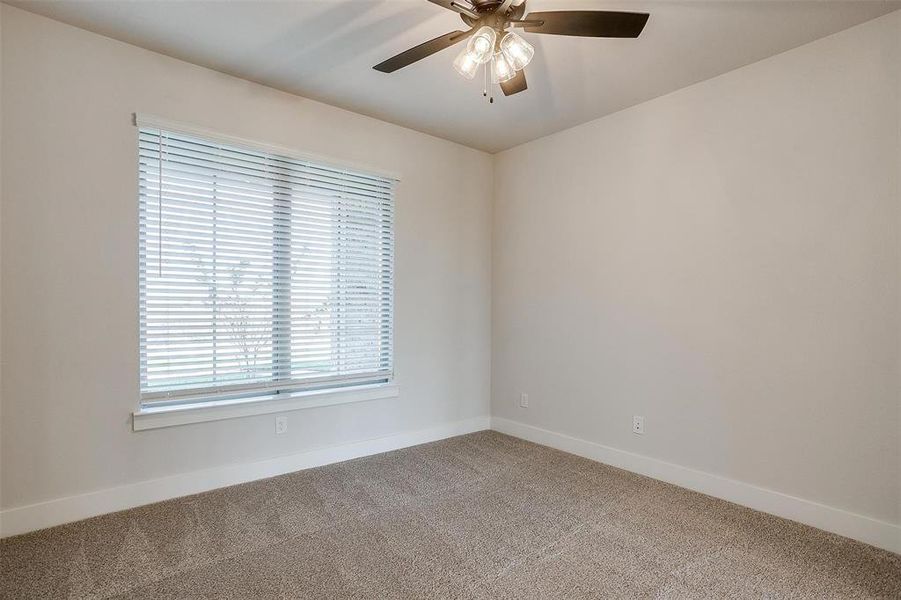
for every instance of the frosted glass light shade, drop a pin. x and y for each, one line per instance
(501, 69)
(481, 44)
(466, 64)
(518, 52)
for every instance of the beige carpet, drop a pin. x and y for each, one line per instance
(478, 516)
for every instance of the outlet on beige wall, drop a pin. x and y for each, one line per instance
(724, 259)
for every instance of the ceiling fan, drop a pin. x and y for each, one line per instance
(503, 53)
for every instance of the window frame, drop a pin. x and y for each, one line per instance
(237, 400)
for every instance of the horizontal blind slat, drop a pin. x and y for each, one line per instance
(259, 272)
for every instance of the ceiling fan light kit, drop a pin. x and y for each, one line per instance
(510, 55)
(505, 54)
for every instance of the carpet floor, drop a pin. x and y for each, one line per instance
(478, 516)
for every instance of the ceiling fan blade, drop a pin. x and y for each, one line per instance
(587, 23)
(515, 85)
(408, 57)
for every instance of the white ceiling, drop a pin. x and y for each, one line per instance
(325, 50)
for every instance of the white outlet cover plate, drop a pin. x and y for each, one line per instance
(638, 425)
(281, 425)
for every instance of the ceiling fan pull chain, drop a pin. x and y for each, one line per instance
(489, 67)
(488, 79)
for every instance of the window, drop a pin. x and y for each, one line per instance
(260, 274)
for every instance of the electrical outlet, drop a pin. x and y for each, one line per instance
(281, 425)
(638, 425)
(524, 401)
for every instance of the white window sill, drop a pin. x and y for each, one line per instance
(167, 416)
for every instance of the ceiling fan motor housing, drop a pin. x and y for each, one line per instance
(489, 15)
(485, 5)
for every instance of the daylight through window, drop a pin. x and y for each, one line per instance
(259, 273)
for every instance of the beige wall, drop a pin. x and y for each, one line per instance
(69, 263)
(724, 261)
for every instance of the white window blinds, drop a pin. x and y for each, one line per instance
(259, 273)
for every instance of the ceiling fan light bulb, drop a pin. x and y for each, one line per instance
(466, 64)
(481, 45)
(517, 51)
(501, 70)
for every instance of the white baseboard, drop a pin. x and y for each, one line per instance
(14, 521)
(23, 519)
(859, 527)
